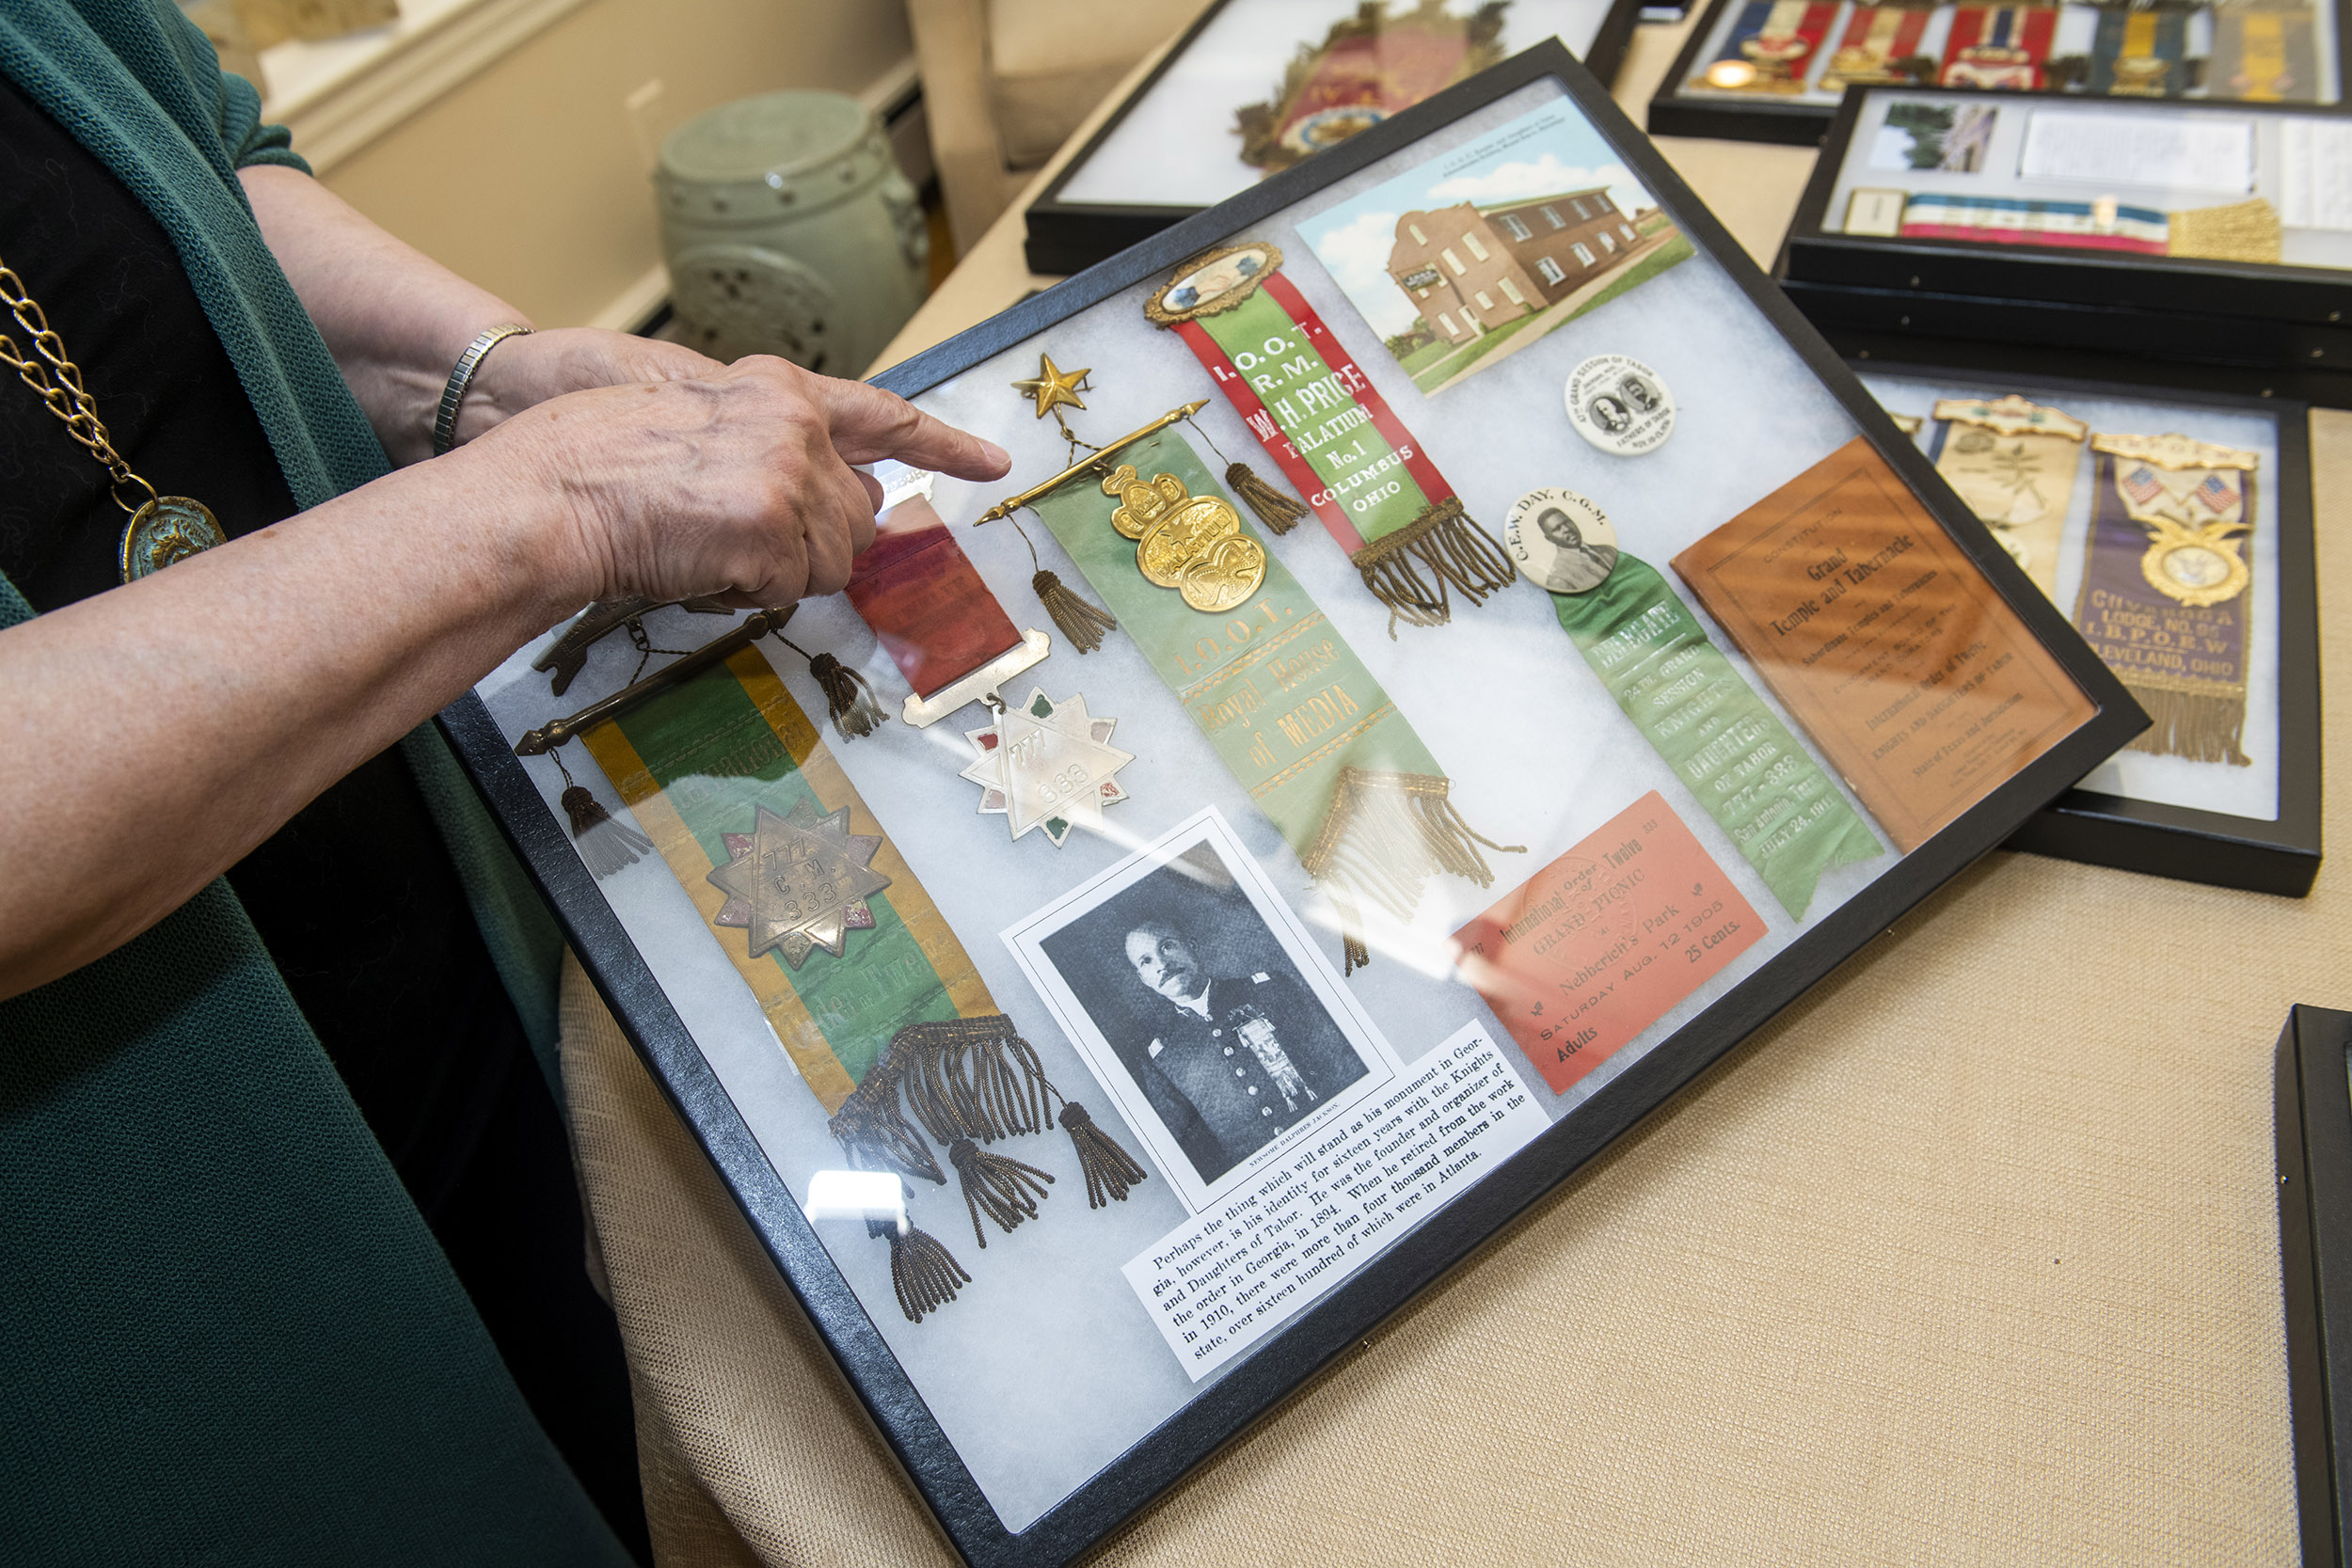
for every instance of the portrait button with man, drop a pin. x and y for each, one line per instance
(1250, 1054)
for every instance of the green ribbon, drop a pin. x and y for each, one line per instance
(1271, 682)
(716, 756)
(1753, 777)
(1327, 425)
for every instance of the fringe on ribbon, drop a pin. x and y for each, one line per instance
(1110, 1171)
(606, 845)
(1384, 837)
(1083, 624)
(1276, 510)
(2203, 726)
(923, 1274)
(1444, 542)
(849, 699)
(967, 1082)
(997, 1185)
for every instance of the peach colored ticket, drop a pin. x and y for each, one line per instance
(1595, 948)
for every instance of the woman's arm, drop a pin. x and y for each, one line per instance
(153, 734)
(396, 321)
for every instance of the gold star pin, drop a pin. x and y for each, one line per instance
(1052, 386)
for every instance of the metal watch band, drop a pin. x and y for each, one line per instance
(461, 376)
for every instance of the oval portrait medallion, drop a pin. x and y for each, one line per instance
(167, 528)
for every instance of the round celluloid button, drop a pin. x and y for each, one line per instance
(1620, 406)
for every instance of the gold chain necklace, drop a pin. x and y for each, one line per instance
(163, 528)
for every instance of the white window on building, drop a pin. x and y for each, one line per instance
(1470, 244)
(1469, 315)
(1550, 270)
(1609, 243)
(1511, 291)
(1551, 216)
(1583, 254)
(1627, 230)
(1421, 293)
(1419, 238)
(1516, 227)
(1486, 301)
(1579, 205)
(1447, 322)
(1455, 262)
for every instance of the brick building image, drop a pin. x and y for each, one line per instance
(1471, 269)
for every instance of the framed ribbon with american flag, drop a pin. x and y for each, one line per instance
(1499, 657)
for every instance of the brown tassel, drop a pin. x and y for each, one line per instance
(869, 1126)
(1110, 1170)
(996, 1185)
(923, 1274)
(1276, 510)
(2203, 726)
(1445, 542)
(606, 845)
(1080, 621)
(847, 698)
(1385, 837)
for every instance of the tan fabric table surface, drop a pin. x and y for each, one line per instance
(1972, 1255)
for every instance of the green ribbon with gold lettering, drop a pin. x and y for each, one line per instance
(1748, 771)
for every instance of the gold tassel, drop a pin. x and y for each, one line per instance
(606, 845)
(1110, 1170)
(1451, 548)
(849, 699)
(1080, 621)
(996, 1185)
(923, 1274)
(2200, 725)
(1385, 837)
(1276, 510)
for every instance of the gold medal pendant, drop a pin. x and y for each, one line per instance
(167, 529)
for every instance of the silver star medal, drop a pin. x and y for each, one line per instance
(799, 882)
(1047, 765)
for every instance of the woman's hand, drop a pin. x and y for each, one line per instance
(524, 371)
(734, 480)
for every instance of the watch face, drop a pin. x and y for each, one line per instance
(1620, 406)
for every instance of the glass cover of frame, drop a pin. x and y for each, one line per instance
(2148, 180)
(1267, 82)
(1517, 645)
(2113, 505)
(1809, 51)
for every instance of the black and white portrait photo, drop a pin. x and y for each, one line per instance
(1195, 982)
(1561, 540)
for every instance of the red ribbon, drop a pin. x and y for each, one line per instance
(1270, 434)
(926, 602)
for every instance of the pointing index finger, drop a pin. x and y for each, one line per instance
(869, 424)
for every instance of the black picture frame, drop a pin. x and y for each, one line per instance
(2251, 315)
(1066, 237)
(1327, 1330)
(1676, 113)
(2281, 856)
(2314, 1118)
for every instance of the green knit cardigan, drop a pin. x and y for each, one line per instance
(226, 1335)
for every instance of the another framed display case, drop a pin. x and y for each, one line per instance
(2096, 488)
(1455, 655)
(2204, 232)
(1255, 85)
(1774, 71)
(2314, 1104)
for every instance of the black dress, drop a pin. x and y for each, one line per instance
(356, 899)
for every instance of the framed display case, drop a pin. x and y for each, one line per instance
(2095, 487)
(2214, 233)
(1774, 71)
(2313, 1081)
(1255, 85)
(1455, 653)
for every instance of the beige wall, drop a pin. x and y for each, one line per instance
(532, 176)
